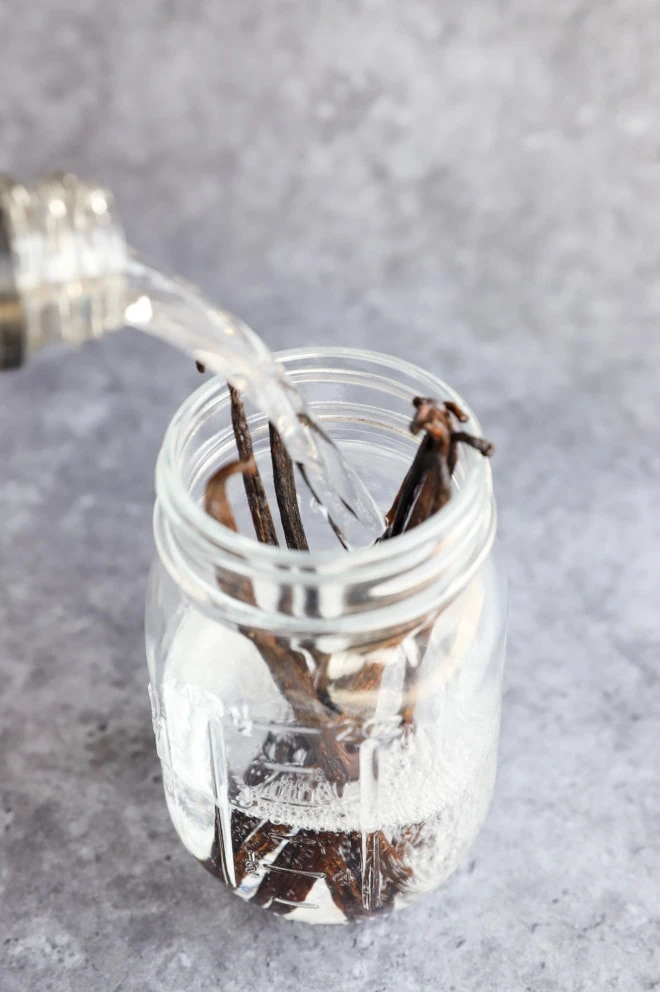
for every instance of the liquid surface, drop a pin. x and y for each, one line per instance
(177, 313)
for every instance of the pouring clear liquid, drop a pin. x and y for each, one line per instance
(68, 276)
(176, 312)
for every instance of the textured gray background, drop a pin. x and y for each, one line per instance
(474, 185)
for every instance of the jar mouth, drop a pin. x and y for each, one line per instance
(473, 470)
(459, 535)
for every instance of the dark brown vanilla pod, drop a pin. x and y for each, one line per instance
(216, 502)
(285, 490)
(426, 487)
(288, 667)
(399, 512)
(255, 492)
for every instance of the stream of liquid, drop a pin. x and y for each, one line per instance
(176, 312)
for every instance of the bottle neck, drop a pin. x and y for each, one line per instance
(327, 597)
(62, 264)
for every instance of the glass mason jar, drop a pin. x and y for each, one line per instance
(327, 722)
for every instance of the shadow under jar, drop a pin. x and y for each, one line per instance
(327, 721)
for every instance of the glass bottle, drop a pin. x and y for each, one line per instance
(327, 725)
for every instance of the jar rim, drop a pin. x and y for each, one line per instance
(170, 485)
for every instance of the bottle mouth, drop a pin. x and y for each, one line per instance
(62, 264)
(345, 386)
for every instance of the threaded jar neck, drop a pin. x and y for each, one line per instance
(334, 597)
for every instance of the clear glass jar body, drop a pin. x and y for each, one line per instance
(327, 723)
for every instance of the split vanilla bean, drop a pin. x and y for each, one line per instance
(426, 487)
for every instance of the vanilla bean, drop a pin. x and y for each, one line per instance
(216, 502)
(262, 518)
(364, 873)
(435, 490)
(452, 456)
(426, 488)
(251, 840)
(255, 491)
(384, 871)
(361, 882)
(285, 490)
(288, 667)
(263, 839)
(293, 873)
(398, 513)
(480, 443)
(308, 855)
(294, 532)
(454, 408)
(337, 759)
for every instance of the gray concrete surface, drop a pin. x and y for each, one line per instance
(474, 186)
